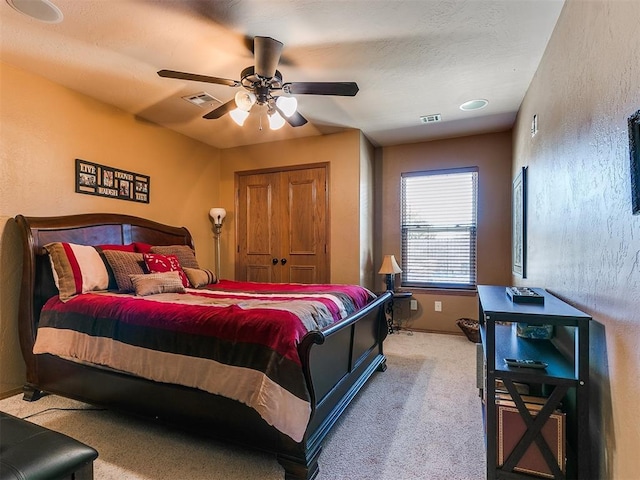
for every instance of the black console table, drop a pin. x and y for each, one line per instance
(563, 384)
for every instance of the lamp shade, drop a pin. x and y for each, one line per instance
(389, 266)
(276, 121)
(287, 105)
(239, 116)
(217, 214)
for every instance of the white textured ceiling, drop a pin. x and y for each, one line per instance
(409, 58)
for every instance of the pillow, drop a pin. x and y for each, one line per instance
(124, 264)
(142, 247)
(113, 284)
(152, 283)
(157, 263)
(199, 277)
(76, 269)
(185, 254)
(124, 248)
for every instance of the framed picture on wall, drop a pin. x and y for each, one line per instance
(634, 151)
(519, 224)
(95, 179)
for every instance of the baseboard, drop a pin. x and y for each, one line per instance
(10, 393)
(423, 330)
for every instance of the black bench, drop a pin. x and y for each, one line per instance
(29, 452)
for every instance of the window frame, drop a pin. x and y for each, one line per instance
(473, 231)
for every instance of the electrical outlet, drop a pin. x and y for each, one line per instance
(414, 304)
(438, 306)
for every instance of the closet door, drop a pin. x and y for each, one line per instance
(304, 257)
(258, 228)
(283, 226)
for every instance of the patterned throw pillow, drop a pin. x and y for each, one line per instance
(200, 277)
(113, 285)
(152, 283)
(186, 255)
(124, 264)
(157, 263)
(76, 269)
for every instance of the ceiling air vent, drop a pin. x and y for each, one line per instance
(201, 99)
(436, 117)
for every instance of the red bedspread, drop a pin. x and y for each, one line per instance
(235, 339)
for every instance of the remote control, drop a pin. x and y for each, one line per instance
(513, 362)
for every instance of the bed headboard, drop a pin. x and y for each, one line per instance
(84, 229)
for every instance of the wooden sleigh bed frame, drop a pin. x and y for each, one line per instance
(336, 361)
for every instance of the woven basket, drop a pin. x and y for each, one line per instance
(470, 328)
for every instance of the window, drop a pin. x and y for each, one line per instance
(439, 228)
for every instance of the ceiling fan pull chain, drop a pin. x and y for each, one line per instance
(260, 126)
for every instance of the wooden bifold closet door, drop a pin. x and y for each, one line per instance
(282, 226)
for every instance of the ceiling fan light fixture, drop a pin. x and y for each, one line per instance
(276, 121)
(287, 105)
(245, 100)
(239, 116)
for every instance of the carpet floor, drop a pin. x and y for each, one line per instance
(421, 419)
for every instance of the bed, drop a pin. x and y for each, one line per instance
(313, 383)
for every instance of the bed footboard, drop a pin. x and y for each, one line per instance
(338, 361)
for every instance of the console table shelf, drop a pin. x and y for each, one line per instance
(565, 380)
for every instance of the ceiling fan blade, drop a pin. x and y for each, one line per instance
(221, 110)
(295, 120)
(345, 89)
(198, 78)
(267, 55)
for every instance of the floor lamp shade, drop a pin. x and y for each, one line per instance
(390, 268)
(217, 215)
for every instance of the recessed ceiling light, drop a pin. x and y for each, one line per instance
(42, 10)
(474, 104)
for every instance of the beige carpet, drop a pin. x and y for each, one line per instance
(420, 419)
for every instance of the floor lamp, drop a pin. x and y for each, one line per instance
(217, 215)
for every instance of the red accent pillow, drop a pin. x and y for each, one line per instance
(121, 248)
(142, 247)
(157, 263)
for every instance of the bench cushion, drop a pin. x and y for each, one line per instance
(29, 451)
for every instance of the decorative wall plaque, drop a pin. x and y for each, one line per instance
(95, 179)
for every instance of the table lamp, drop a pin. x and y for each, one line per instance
(390, 268)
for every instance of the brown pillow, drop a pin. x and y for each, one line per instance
(199, 277)
(124, 264)
(152, 283)
(186, 255)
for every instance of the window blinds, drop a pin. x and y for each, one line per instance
(439, 228)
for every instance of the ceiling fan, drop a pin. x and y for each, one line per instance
(260, 82)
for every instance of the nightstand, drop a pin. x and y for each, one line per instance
(397, 295)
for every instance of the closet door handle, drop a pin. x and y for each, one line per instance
(274, 261)
(283, 261)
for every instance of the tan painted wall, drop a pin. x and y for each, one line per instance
(342, 151)
(583, 241)
(491, 153)
(45, 127)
